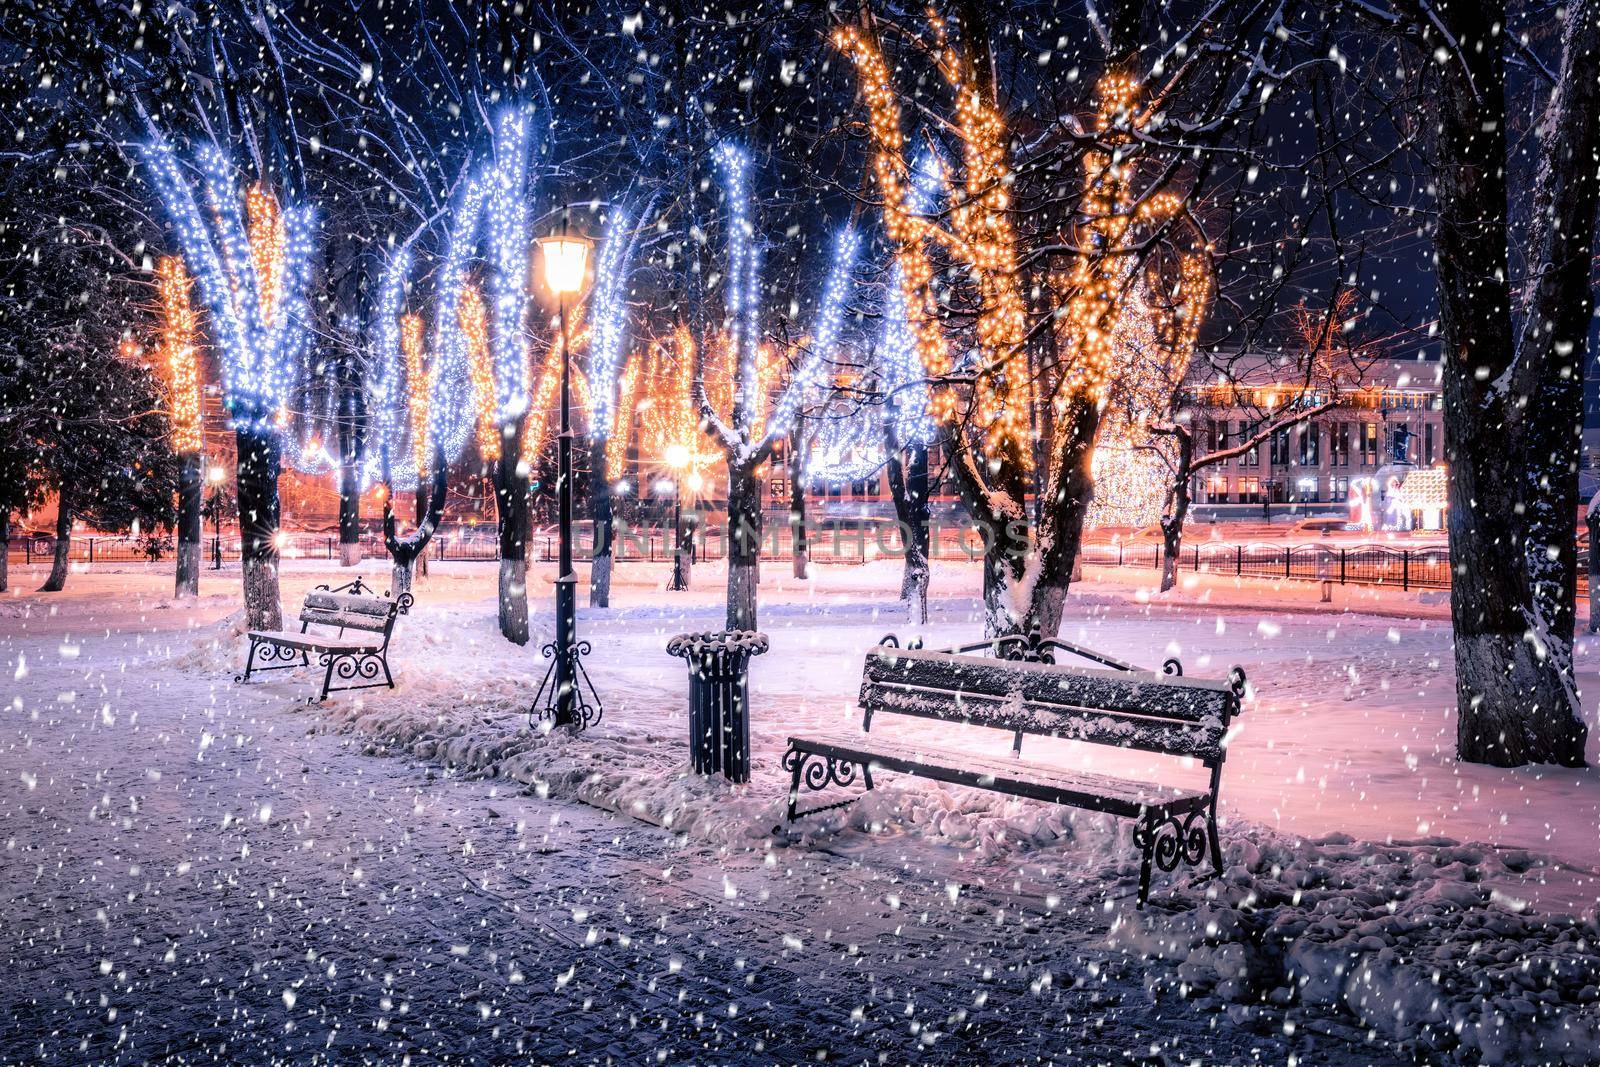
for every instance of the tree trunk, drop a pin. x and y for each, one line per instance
(258, 527)
(908, 487)
(799, 541)
(425, 505)
(744, 545)
(1512, 605)
(603, 519)
(410, 553)
(191, 489)
(1591, 521)
(5, 551)
(1172, 522)
(349, 512)
(1061, 516)
(511, 508)
(59, 562)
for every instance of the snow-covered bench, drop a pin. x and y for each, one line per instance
(355, 656)
(1117, 705)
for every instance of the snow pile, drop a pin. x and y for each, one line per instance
(1406, 940)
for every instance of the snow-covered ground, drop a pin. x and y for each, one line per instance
(1377, 889)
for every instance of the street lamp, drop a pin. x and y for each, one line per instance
(216, 474)
(565, 259)
(677, 458)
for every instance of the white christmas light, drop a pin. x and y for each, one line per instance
(258, 329)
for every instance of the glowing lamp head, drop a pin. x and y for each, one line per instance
(565, 259)
(677, 456)
(695, 482)
(217, 474)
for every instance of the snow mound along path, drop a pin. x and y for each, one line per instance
(1405, 940)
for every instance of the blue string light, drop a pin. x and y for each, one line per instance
(386, 395)
(743, 284)
(260, 354)
(608, 326)
(506, 216)
(451, 417)
(814, 365)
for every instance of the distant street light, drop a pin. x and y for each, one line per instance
(216, 474)
(677, 457)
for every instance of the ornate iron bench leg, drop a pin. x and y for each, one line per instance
(1144, 835)
(1211, 835)
(327, 677)
(249, 662)
(794, 761)
(819, 772)
(383, 658)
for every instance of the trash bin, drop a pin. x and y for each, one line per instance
(719, 698)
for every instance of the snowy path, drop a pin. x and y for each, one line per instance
(192, 873)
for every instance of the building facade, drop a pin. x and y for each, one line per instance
(1394, 416)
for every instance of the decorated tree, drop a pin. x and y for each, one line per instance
(742, 427)
(608, 388)
(177, 353)
(249, 254)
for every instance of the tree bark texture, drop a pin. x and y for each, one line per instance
(744, 545)
(5, 551)
(57, 579)
(349, 485)
(259, 462)
(1178, 513)
(908, 487)
(1512, 411)
(191, 490)
(603, 519)
(410, 553)
(799, 542)
(511, 508)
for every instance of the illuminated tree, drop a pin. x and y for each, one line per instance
(740, 423)
(1021, 413)
(250, 256)
(177, 353)
(609, 391)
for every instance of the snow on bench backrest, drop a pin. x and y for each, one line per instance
(1131, 709)
(348, 610)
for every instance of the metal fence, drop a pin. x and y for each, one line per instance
(1406, 568)
(1364, 564)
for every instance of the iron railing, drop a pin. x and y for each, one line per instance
(1403, 567)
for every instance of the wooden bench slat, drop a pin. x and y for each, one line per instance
(315, 642)
(1203, 741)
(1034, 781)
(349, 602)
(348, 620)
(1137, 693)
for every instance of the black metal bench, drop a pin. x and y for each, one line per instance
(1019, 688)
(359, 655)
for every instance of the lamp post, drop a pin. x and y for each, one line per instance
(677, 458)
(216, 474)
(565, 258)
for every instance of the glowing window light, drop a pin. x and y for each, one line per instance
(178, 349)
(474, 320)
